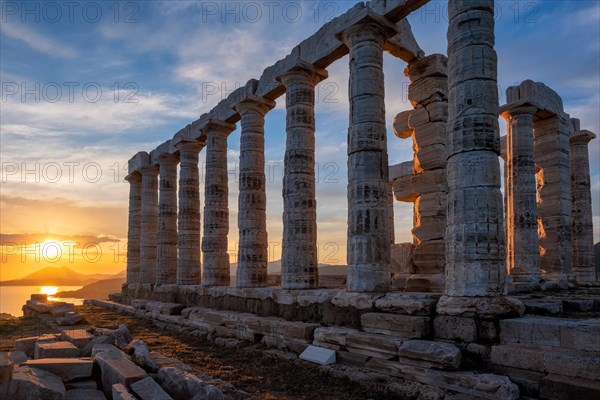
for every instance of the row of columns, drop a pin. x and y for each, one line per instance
(167, 239)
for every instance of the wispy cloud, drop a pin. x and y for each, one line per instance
(37, 41)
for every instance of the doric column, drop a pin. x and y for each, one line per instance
(166, 261)
(252, 201)
(555, 207)
(475, 236)
(149, 223)
(188, 217)
(216, 209)
(368, 234)
(522, 242)
(583, 234)
(299, 264)
(134, 227)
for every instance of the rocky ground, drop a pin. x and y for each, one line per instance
(250, 369)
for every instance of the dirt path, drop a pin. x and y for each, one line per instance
(248, 368)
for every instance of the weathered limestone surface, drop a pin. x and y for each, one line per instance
(583, 231)
(79, 337)
(441, 355)
(149, 224)
(475, 236)
(400, 326)
(85, 394)
(115, 368)
(253, 254)
(183, 385)
(216, 209)
(188, 217)
(34, 383)
(67, 369)
(55, 350)
(368, 188)
(166, 241)
(148, 389)
(120, 392)
(522, 244)
(134, 227)
(426, 125)
(299, 248)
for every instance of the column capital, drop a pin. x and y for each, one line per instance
(149, 170)
(252, 103)
(512, 110)
(581, 137)
(367, 26)
(166, 159)
(134, 177)
(214, 127)
(303, 71)
(190, 145)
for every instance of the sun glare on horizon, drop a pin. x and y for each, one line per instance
(49, 290)
(51, 249)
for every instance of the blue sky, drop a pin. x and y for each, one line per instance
(170, 62)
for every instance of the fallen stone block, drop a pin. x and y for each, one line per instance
(55, 350)
(86, 351)
(183, 385)
(67, 369)
(318, 355)
(141, 355)
(33, 383)
(39, 297)
(139, 304)
(79, 337)
(26, 345)
(401, 326)
(69, 319)
(440, 354)
(148, 389)
(17, 357)
(115, 367)
(120, 392)
(85, 394)
(373, 345)
(164, 308)
(60, 309)
(39, 306)
(121, 335)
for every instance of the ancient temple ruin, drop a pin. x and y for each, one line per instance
(482, 259)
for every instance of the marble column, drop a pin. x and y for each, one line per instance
(188, 217)
(475, 236)
(149, 223)
(166, 240)
(583, 231)
(216, 208)
(134, 227)
(299, 264)
(369, 257)
(522, 242)
(555, 207)
(253, 256)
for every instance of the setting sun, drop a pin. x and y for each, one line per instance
(49, 290)
(51, 249)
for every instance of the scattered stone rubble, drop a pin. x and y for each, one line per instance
(54, 313)
(95, 364)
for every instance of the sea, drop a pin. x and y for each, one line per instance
(12, 298)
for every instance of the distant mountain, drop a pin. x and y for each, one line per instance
(597, 258)
(97, 290)
(56, 276)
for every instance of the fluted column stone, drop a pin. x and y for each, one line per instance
(475, 236)
(188, 217)
(166, 239)
(583, 231)
(369, 257)
(522, 245)
(253, 256)
(216, 208)
(149, 223)
(299, 264)
(134, 227)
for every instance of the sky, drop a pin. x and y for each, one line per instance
(86, 85)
